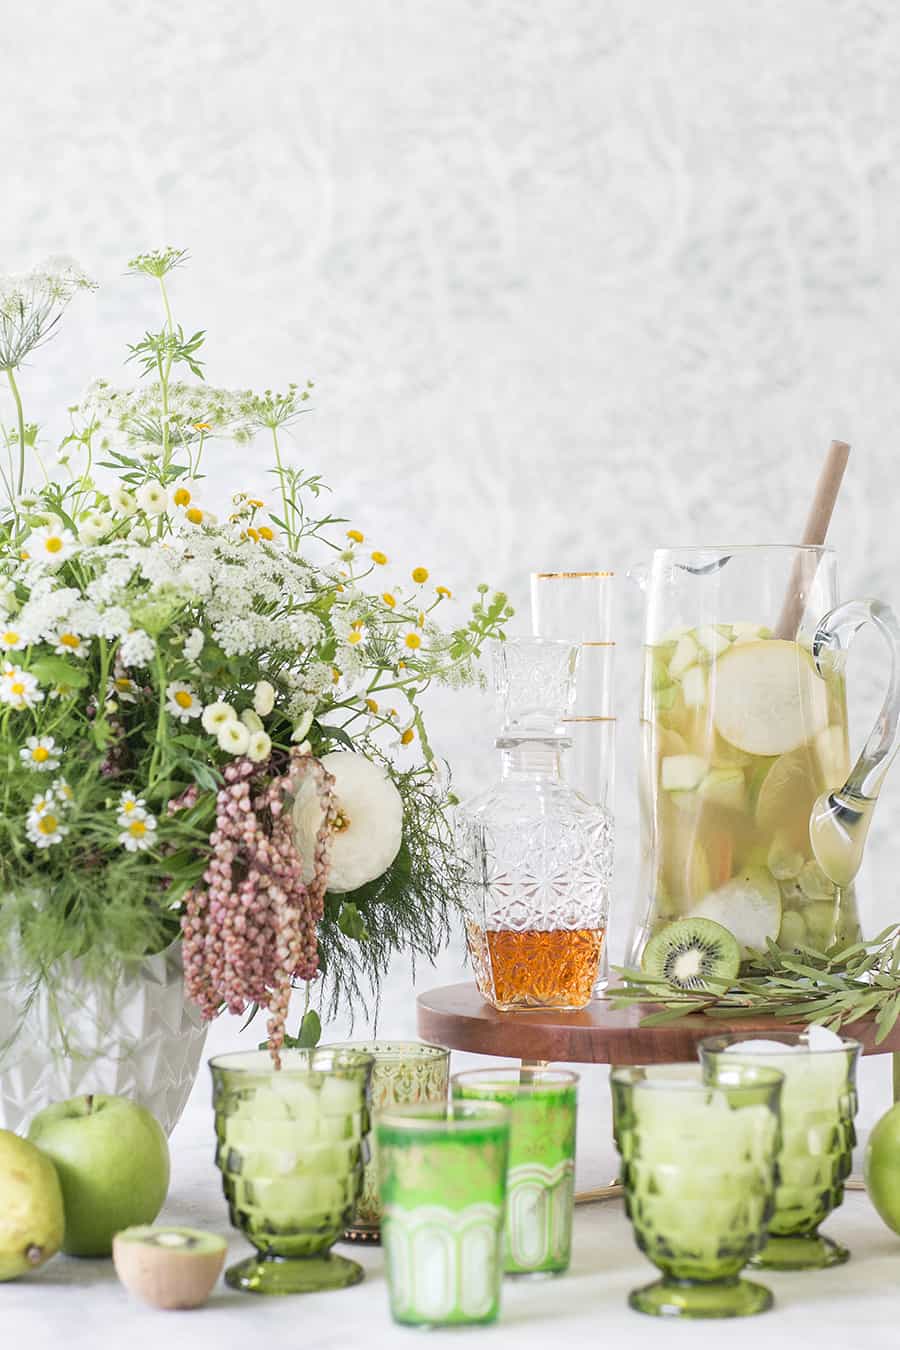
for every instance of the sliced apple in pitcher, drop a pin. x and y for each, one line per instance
(769, 699)
(723, 787)
(685, 654)
(749, 906)
(682, 773)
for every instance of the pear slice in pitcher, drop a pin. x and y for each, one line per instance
(769, 699)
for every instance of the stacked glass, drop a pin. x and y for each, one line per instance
(818, 1104)
(291, 1146)
(698, 1152)
(405, 1073)
(540, 1181)
(442, 1176)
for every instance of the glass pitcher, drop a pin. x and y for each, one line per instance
(750, 814)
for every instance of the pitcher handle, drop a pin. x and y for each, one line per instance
(840, 820)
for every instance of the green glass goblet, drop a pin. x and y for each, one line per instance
(405, 1073)
(442, 1173)
(291, 1150)
(698, 1167)
(540, 1183)
(818, 1103)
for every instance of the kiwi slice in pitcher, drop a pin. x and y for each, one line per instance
(689, 953)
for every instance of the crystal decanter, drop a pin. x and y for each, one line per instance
(538, 855)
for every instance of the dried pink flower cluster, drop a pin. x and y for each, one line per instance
(252, 928)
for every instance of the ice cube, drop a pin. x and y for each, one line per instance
(761, 1047)
(822, 1038)
(339, 1097)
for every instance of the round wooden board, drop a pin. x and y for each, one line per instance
(458, 1017)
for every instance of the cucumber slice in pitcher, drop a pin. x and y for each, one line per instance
(749, 906)
(769, 699)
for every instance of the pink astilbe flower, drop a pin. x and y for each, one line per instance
(251, 928)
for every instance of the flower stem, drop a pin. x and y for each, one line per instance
(20, 416)
(285, 500)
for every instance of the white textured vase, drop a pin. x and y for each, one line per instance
(136, 1037)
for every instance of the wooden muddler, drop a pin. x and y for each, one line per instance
(814, 532)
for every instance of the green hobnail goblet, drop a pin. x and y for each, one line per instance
(540, 1182)
(698, 1167)
(405, 1073)
(291, 1147)
(818, 1104)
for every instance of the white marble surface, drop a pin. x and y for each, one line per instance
(80, 1305)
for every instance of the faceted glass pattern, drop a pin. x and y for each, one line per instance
(698, 1167)
(405, 1073)
(291, 1147)
(818, 1105)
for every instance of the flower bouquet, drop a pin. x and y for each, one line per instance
(210, 727)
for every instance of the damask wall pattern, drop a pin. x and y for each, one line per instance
(572, 278)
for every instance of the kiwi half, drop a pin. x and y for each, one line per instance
(169, 1267)
(689, 953)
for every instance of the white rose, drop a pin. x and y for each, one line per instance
(234, 738)
(217, 715)
(369, 827)
(264, 698)
(260, 747)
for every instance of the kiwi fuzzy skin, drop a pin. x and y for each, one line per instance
(168, 1276)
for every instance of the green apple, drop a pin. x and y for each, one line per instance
(113, 1164)
(882, 1167)
(31, 1207)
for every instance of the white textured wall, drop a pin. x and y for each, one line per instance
(573, 278)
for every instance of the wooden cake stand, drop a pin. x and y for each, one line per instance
(458, 1017)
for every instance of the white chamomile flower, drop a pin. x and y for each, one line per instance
(259, 747)
(93, 526)
(67, 643)
(152, 498)
(131, 805)
(139, 833)
(40, 752)
(51, 545)
(11, 640)
(123, 502)
(62, 793)
(122, 688)
(182, 702)
(19, 688)
(44, 828)
(263, 698)
(234, 738)
(193, 644)
(217, 715)
(368, 828)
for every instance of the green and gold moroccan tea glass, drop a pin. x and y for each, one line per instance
(443, 1185)
(291, 1149)
(405, 1073)
(698, 1166)
(540, 1181)
(818, 1104)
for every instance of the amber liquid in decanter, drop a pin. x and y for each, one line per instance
(534, 968)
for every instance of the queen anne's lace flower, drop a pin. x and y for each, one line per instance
(137, 648)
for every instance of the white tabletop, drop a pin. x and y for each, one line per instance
(79, 1305)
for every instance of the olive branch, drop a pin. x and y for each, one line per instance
(827, 989)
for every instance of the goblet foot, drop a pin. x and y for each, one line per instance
(806, 1251)
(301, 1275)
(683, 1298)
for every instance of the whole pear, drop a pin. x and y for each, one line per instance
(31, 1207)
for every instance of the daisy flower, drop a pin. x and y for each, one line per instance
(139, 833)
(125, 690)
(11, 640)
(45, 828)
(18, 688)
(420, 575)
(51, 545)
(131, 805)
(234, 738)
(67, 643)
(182, 702)
(40, 752)
(217, 715)
(62, 793)
(412, 639)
